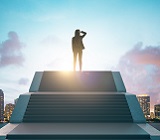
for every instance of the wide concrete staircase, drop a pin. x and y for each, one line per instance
(88, 105)
(90, 115)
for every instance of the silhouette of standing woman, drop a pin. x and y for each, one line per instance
(77, 47)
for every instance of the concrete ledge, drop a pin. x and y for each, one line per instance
(20, 108)
(36, 82)
(135, 109)
(154, 133)
(6, 129)
(118, 82)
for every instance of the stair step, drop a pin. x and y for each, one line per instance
(77, 118)
(91, 111)
(81, 109)
(79, 137)
(78, 97)
(74, 96)
(76, 106)
(76, 113)
(81, 101)
(81, 97)
(77, 103)
(80, 94)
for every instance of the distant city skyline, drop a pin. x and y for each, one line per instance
(122, 35)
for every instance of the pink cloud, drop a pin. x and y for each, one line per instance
(147, 55)
(140, 70)
(10, 51)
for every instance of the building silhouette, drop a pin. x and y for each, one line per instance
(144, 101)
(1, 106)
(8, 111)
(157, 111)
(152, 115)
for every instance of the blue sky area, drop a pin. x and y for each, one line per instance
(122, 35)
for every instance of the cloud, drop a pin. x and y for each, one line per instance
(146, 56)
(140, 70)
(23, 81)
(10, 51)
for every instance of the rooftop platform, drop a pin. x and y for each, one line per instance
(59, 81)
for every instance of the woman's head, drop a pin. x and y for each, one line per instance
(77, 32)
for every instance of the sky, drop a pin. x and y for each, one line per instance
(122, 35)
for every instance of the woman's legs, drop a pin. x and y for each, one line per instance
(74, 61)
(80, 60)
